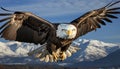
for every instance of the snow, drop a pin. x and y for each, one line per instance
(92, 50)
(14, 48)
(5, 50)
(12, 52)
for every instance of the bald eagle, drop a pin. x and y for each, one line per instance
(55, 38)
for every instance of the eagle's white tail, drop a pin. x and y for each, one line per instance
(43, 54)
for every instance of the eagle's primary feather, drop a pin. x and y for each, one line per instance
(55, 38)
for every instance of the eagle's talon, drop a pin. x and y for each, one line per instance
(55, 56)
(62, 56)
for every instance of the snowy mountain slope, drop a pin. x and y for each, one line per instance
(92, 50)
(14, 48)
(16, 52)
(112, 60)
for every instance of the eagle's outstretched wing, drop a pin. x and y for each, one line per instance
(93, 19)
(25, 27)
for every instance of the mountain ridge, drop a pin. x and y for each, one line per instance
(91, 50)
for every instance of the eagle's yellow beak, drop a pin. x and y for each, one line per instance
(69, 32)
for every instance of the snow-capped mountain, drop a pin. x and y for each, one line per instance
(14, 48)
(111, 62)
(92, 50)
(16, 52)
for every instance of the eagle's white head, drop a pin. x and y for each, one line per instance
(66, 31)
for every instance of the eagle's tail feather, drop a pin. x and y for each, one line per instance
(38, 50)
(73, 49)
(43, 54)
(68, 53)
(51, 58)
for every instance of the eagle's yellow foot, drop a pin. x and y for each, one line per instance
(55, 56)
(62, 56)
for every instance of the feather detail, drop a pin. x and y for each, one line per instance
(47, 57)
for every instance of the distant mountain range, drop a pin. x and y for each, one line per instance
(92, 53)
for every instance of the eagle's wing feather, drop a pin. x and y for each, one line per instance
(24, 27)
(94, 19)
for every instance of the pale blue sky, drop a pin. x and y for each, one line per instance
(66, 11)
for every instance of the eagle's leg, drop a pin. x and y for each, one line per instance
(52, 50)
(63, 56)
